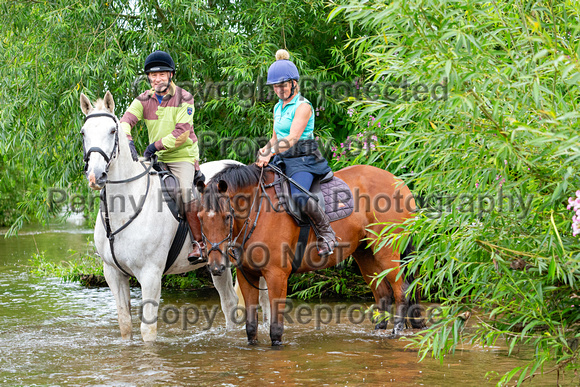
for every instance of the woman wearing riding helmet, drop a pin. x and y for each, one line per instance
(293, 145)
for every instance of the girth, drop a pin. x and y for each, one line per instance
(332, 194)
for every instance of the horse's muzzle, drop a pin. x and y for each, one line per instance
(97, 183)
(217, 269)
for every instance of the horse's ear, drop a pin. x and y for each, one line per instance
(200, 186)
(222, 186)
(86, 105)
(109, 102)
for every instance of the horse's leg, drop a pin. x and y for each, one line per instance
(264, 300)
(382, 291)
(386, 258)
(119, 284)
(150, 281)
(228, 296)
(277, 287)
(241, 301)
(251, 294)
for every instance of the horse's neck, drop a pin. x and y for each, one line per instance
(123, 167)
(250, 211)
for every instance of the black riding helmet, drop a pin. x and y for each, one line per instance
(159, 61)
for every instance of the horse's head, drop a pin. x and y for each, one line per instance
(227, 202)
(100, 138)
(217, 220)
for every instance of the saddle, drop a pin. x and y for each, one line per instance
(172, 196)
(170, 189)
(332, 194)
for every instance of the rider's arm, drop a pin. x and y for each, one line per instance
(182, 131)
(270, 146)
(267, 151)
(133, 115)
(299, 123)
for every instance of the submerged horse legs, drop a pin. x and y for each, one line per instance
(264, 301)
(119, 284)
(371, 263)
(386, 258)
(150, 281)
(228, 296)
(277, 287)
(251, 296)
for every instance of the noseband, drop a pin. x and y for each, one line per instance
(216, 246)
(98, 150)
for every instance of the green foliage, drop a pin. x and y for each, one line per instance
(75, 268)
(87, 269)
(53, 51)
(474, 105)
(491, 152)
(343, 281)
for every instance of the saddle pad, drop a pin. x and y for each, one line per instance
(338, 199)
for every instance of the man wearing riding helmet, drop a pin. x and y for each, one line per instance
(168, 113)
(293, 144)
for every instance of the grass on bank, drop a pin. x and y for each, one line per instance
(341, 282)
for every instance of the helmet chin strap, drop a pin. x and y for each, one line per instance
(292, 90)
(168, 84)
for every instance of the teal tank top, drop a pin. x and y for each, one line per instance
(283, 118)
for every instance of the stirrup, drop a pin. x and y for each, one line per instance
(195, 260)
(326, 252)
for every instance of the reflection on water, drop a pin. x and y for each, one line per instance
(61, 333)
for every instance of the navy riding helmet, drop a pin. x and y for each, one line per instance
(159, 61)
(282, 70)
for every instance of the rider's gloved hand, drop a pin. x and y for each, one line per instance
(134, 153)
(150, 151)
(198, 177)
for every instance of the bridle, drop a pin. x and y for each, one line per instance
(216, 246)
(232, 243)
(95, 149)
(103, 196)
(114, 153)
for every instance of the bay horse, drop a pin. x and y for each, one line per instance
(239, 200)
(142, 225)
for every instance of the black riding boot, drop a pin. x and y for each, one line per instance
(321, 224)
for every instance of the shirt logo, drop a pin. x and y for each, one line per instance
(189, 111)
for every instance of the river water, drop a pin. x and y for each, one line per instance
(58, 333)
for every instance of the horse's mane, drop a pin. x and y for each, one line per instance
(236, 177)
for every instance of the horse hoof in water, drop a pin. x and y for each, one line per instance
(398, 329)
(252, 342)
(276, 344)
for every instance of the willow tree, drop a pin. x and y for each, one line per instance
(492, 156)
(54, 50)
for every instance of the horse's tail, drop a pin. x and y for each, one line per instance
(414, 311)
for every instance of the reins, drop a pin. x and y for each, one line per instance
(105, 218)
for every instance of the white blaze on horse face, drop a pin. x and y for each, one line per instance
(98, 132)
(211, 214)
